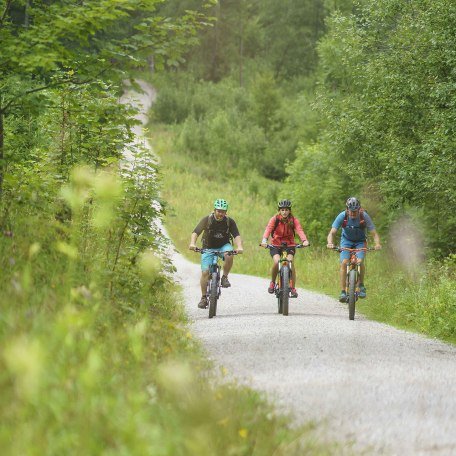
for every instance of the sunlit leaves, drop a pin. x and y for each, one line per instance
(388, 93)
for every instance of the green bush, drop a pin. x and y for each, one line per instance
(171, 105)
(248, 127)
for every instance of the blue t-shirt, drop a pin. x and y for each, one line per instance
(353, 232)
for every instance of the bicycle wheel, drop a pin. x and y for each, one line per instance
(279, 298)
(213, 294)
(285, 292)
(351, 293)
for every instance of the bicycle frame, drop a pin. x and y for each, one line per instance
(213, 288)
(352, 274)
(284, 281)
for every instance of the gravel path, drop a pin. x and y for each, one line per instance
(383, 389)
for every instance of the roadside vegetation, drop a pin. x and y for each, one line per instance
(96, 356)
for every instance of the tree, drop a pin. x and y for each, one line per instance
(387, 78)
(48, 45)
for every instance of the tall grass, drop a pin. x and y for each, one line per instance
(423, 301)
(96, 357)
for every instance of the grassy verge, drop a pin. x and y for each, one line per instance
(424, 302)
(96, 357)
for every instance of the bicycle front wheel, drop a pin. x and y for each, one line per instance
(213, 295)
(279, 298)
(285, 292)
(351, 293)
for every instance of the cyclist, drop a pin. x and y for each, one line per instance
(354, 221)
(218, 230)
(282, 227)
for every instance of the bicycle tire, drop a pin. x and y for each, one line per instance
(279, 299)
(285, 292)
(351, 293)
(213, 295)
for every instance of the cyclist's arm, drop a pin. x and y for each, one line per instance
(376, 237)
(334, 227)
(236, 236)
(300, 231)
(238, 242)
(193, 239)
(330, 238)
(371, 228)
(196, 232)
(268, 230)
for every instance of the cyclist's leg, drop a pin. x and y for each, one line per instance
(227, 259)
(293, 292)
(362, 269)
(203, 282)
(275, 263)
(361, 255)
(206, 261)
(344, 258)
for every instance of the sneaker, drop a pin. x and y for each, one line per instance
(203, 303)
(271, 288)
(362, 291)
(343, 296)
(293, 293)
(224, 282)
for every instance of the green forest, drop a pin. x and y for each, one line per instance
(311, 100)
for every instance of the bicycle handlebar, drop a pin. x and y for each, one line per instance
(216, 252)
(297, 246)
(362, 249)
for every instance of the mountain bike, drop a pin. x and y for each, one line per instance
(284, 282)
(214, 288)
(352, 277)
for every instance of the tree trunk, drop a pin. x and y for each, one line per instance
(27, 16)
(213, 71)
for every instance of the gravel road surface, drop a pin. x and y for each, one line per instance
(386, 390)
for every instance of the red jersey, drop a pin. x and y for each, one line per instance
(285, 231)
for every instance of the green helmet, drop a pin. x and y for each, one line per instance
(221, 204)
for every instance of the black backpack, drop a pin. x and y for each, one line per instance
(211, 221)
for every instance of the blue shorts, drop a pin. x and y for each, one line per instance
(345, 255)
(207, 257)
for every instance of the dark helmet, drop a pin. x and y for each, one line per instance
(353, 204)
(284, 203)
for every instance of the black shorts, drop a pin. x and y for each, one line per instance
(278, 250)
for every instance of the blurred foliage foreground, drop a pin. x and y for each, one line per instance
(96, 357)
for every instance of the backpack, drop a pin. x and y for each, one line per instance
(211, 221)
(276, 224)
(362, 222)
